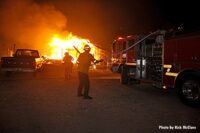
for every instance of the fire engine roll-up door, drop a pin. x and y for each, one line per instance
(140, 69)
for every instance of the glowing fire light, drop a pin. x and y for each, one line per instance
(60, 45)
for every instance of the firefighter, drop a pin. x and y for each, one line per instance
(84, 62)
(68, 65)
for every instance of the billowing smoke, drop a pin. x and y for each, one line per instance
(28, 24)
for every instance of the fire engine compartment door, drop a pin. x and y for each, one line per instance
(140, 69)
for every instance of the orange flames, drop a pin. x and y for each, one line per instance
(59, 46)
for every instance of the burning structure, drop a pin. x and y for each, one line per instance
(72, 44)
(27, 24)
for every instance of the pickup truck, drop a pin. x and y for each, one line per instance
(24, 60)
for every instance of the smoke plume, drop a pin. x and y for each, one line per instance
(28, 24)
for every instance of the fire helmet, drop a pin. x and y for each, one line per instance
(87, 47)
(66, 53)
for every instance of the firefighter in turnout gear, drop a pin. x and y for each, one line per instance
(68, 65)
(84, 62)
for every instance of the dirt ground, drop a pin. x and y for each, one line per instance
(48, 103)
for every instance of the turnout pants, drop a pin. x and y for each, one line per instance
(84, 83)
(68, 71)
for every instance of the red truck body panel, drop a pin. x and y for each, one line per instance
(182, 53)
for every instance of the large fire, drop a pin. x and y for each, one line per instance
(59, 46)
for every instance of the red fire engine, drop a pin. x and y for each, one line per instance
(166, 61)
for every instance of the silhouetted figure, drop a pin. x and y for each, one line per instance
(84, 62)
(68, 65)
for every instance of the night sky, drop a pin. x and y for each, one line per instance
(103, 20)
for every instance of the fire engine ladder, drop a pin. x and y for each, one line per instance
(141, 40)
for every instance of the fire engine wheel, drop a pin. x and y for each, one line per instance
(189, 92)
(124, 75)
